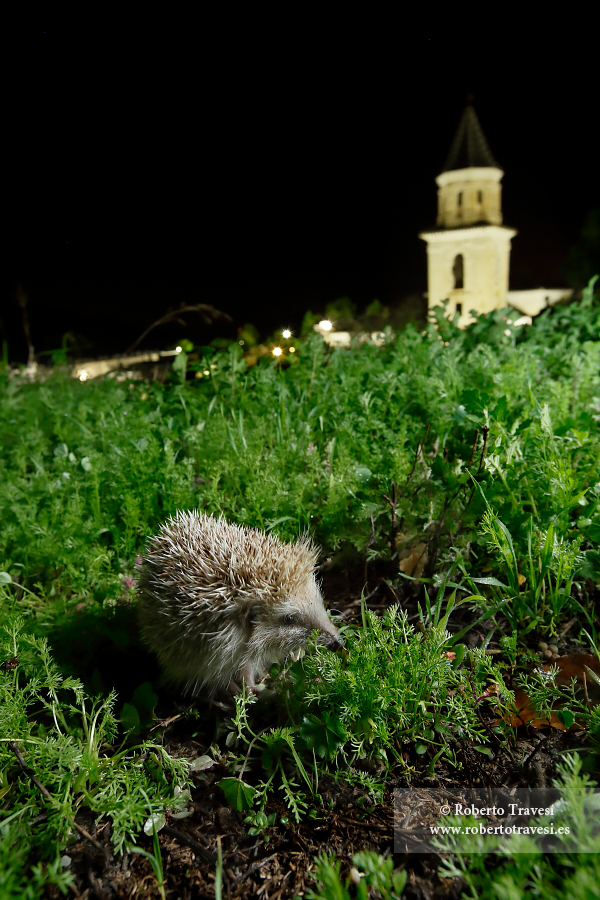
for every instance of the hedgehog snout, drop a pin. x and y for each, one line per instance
(331, 638)
(301, 625)
(331, 641)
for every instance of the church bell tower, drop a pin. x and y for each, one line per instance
(469, 250)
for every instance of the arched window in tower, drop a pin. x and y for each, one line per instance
(458, 271)
(459, 199)
(480, 196)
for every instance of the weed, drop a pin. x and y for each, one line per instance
(521, 869)
(478, 446)
(58, 754)
(396, 693)
(370, 872)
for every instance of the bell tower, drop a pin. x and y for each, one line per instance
(468, 251)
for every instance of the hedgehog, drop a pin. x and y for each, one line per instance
(219, 603)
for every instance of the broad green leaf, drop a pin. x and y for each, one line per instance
(239, 795)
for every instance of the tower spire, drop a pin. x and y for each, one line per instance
(469, 147)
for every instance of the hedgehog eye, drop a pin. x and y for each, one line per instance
(290, 619)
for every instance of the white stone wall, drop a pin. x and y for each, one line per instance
(486, 252)
(534, 301)
(466, 196)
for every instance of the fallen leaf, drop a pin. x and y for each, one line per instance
(412, 562)
(573, 666)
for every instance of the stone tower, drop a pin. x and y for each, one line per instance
(468, 252)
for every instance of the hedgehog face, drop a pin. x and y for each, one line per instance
(276, 632)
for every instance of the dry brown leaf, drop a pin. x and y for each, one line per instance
(573, 666)
(412, 561)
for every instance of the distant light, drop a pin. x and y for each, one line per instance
(83, 375)
(277, 351)
(241, 343)
(292, 349)
(178, 349)
(206, 372)
(286, 333)
(507, 332)
(509, 321)
(325, 325)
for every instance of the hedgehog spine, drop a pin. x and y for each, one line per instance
(219, 603)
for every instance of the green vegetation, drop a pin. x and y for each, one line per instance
(481, 447)
(520, 869)
(371, 872)
(52, 732)
(396, 686)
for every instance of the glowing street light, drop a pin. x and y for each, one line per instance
(277, 351)
(325, 325)
(286, 333)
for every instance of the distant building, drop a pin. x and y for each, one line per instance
(468, 253)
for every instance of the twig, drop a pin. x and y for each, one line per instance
(23, 300)
(474, 450)
(369, 595)
(585, 690)
(393, 503)
(567, 627)
(253, 868)
(181, 837)
(323, 565)
(206, 311)
(391, 590)
(369, 543)
(477, 701)
(420, 445)
(485, 430)
(46, 793)
(279, 893)
(164, 723)
(358, 824)
(534, 751)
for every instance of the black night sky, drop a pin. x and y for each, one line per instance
(267, 175)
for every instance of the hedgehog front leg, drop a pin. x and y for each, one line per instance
(245, 678)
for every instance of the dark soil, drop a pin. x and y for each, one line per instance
(280, 863)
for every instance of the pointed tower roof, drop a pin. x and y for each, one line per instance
(469, 147)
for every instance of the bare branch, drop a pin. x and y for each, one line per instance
(207, 312)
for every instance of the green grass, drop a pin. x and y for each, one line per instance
(518, 868)
(370, 872)
(67, 743)
(482, 445)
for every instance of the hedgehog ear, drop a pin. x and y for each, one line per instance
(253, 616)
